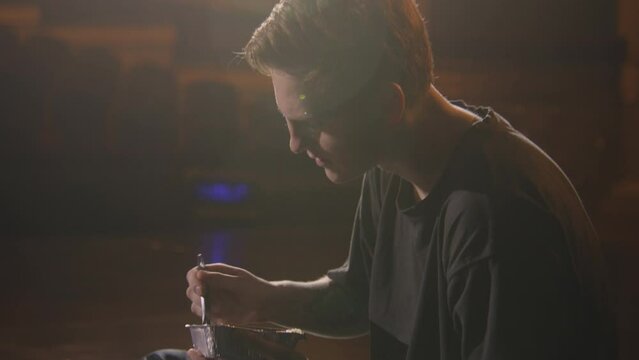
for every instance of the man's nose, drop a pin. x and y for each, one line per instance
(297, 140)
(296, 143)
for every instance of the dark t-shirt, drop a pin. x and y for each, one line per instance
(499, 261)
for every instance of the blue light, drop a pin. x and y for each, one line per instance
(241, 190)
(225, 193)
(216, 245)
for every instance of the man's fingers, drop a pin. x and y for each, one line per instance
(217, 280)
(217, 267)
(196, 309)
(195, 291)
(201, 282)
(225, 269)
(214, 276)
(190, 275)
(190, 293)
(195, 355)
(214, 309)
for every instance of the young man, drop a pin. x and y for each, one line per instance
(469, 242)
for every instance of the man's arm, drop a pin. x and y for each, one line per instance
(511, 289)
(320, 307)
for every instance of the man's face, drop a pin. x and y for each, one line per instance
(345, 142)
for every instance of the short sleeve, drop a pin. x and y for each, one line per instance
(522, 301)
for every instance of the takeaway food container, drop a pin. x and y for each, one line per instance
(229, 342)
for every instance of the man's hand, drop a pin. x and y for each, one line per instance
(236, 296)
(195, 355)
(233, 294)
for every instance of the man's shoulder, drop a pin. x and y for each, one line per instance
(465, 229)
(468, 209)
(477, 225)
(463, 210)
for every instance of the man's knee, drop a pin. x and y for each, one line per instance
(167, 354)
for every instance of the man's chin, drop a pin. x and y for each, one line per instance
(337, 177)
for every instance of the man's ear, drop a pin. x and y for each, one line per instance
(395, 103)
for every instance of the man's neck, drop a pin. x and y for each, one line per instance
(430, 133)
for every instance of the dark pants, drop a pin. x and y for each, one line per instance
(167, 354)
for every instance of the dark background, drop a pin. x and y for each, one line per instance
(132, 138)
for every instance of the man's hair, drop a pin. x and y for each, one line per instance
(340, 47)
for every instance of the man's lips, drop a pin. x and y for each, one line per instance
(318, 160)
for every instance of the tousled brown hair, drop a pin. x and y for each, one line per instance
(339, 47)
